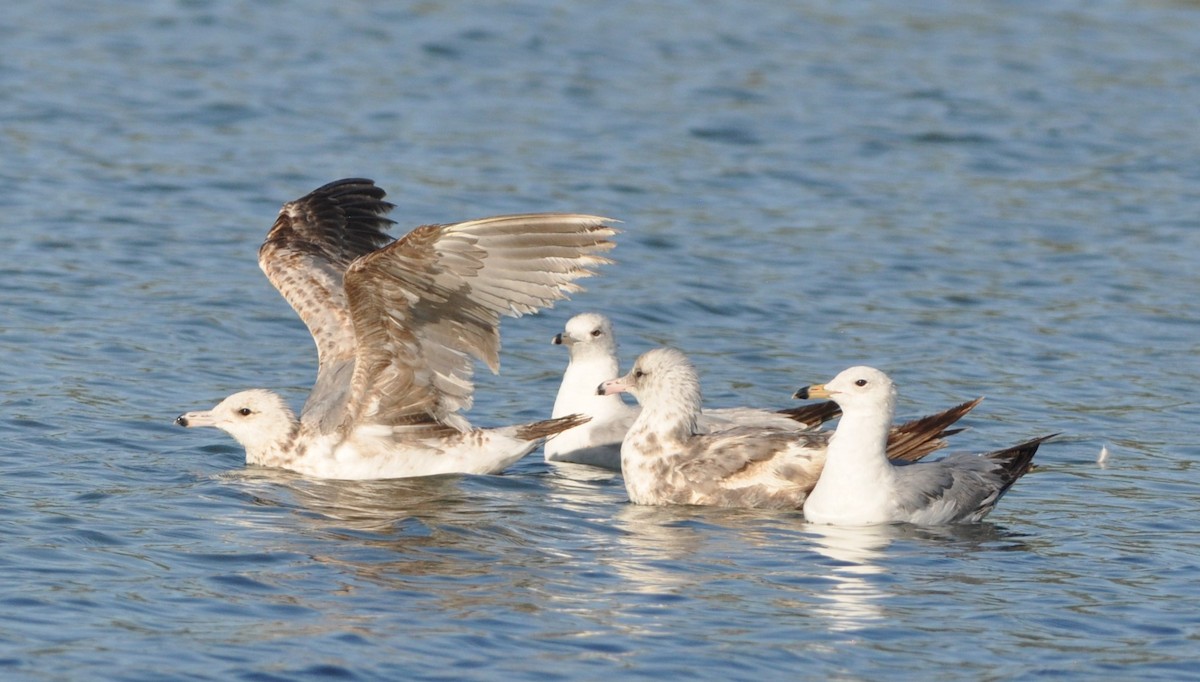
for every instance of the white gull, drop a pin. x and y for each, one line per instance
(397, 325)
(666, 460)
(592, 350)
(859, 486)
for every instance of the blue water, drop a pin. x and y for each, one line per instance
(991, 199)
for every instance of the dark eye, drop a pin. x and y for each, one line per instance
(596, 332)
(638, 374)
(861, 382)
(245, 411)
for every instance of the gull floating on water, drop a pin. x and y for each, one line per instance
(396, 324)
(859, 486)
(666, 460)
(592, 348)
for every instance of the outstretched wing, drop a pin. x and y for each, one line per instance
(427, 304)
(307, 251)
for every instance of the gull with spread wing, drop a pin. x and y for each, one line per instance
(398, 325)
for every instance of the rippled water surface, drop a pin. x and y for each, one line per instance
(996, 199)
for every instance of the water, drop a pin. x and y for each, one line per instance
(996, 199)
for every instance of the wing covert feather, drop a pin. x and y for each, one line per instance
(426, 305)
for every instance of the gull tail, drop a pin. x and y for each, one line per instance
(812, 416)
(911, 441)
(550, 427)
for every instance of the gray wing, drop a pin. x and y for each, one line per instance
(953, 487)
(306, 255)
(961, 487)
(427, 304)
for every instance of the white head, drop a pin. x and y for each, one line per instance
(588, 334)
(660, 378)
(856, 389)
(258, 419)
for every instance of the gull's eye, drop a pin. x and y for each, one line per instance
(596, 332)
(245, 411)
(861, 382)
(638, 374)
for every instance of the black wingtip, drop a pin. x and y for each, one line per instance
(365, 184)
(813, 415)
(549, 427)
(912, 441)
(1018, 459)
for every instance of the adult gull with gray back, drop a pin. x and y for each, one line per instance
(397, 325)
(592, 350)
(859, 486)
(666, 460)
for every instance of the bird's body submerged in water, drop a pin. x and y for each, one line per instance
(666, 460)
(592, 349)
(859, 486)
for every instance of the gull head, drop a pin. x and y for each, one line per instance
(855, 389)
(258, 419)
(588, 333)
(659, 374)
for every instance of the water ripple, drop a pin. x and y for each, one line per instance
(993, 202)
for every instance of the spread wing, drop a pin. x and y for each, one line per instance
(427, 304)
(306, 254)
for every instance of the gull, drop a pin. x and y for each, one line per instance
(665, 459)
(859, 486)
(592, 350)
(397, 325)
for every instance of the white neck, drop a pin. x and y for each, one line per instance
(858, 444)
(856, 472)
(577, 393)
(671, 421)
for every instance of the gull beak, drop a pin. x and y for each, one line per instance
(193, 419)
(612, 387)
(557, 340)
(814, 391)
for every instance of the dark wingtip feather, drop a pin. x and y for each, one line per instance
(549, 427)
(913, 440)
(338, 221)
(364, 184)
(812, 415)
(1018, 459)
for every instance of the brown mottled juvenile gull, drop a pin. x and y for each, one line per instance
(859, 486)
(665, 460)
(397, 325)
(592, 350)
